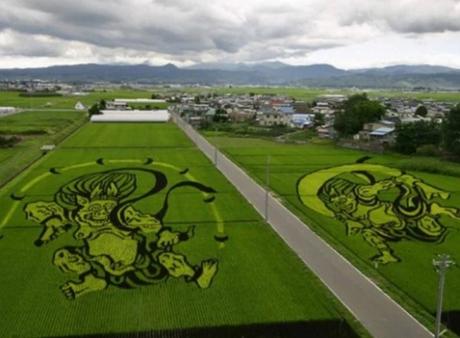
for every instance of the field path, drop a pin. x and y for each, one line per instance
(379, 314)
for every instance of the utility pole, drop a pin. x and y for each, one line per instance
(441, 263)
(267, 186)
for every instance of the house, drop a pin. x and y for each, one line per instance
(414, 119)
(383, 133)
(326, 131)
(195, 121)
(323, 108)
(333, 100)
(140, 101)
(241, 115)
(284, 108)
(273, 118)
(302, 120)
(383, 127)
(301, 107)
(116, 105)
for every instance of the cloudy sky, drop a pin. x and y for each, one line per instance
(345, 33)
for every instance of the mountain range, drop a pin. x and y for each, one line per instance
(268, 73)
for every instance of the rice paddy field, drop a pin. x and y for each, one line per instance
(14, 98)
(35, 129)
(128, 230)
(388, 214)
(310, 94)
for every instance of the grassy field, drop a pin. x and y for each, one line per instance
(35, 128)
(68, 102)
(142, 269)
(412, 280)
(306, 94)
(309, 94)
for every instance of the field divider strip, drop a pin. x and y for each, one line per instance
(379, 313)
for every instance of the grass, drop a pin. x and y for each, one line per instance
(306, 94)
(260, 283)
(412, 281)
(36, 128)
(12, 98)
(310, 94)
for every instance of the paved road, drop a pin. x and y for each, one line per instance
(381, 316)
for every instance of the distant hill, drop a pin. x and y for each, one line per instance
(268, 73)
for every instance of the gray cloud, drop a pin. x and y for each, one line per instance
(13, 44)
(189, 30)
(409, 16)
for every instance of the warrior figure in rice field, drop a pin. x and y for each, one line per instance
(122, 246)
(379, 203)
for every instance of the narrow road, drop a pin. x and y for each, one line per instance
(378, 313)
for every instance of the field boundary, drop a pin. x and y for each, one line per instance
(377, 311)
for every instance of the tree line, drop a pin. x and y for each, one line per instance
(429, 138)
(425, 138)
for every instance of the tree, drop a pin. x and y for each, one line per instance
(197, 99)
(413, 136)
(154, 96)
(102, 105)
(319, 120)
(421, 111)
(451, 131)
(220, 116)
(94, 110)
(357, 111)
(8, 142)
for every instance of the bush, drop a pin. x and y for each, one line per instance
(428, 150)
(40, 94)
(8, 142)
(412, 136)
(451, 131)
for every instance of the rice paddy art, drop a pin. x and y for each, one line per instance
(117, 244)
(379, 203)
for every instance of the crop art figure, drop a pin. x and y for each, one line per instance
(122, 246)
(379, 203)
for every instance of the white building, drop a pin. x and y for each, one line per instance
(7, 110)
(80, 106)
(116, 105)
(131, 116)
(273, 118)
(140, 101)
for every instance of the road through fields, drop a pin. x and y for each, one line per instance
(378, 313)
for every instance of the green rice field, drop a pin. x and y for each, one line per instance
(127, 229)
(310, 94)
(388, 214)
(35, 128)
(13, 98)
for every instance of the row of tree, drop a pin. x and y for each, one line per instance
(357, 111)
(422, 137)
(430, 138)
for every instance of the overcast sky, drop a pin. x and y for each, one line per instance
(345, 33)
